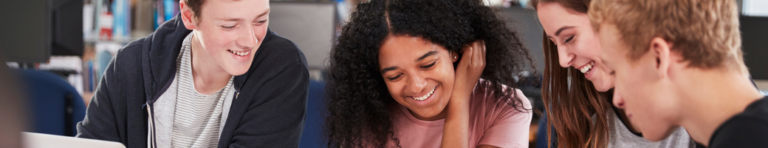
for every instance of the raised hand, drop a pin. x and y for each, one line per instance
(468, 71)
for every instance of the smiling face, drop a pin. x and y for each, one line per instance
(641, 91)
(229, 31)
(577, 44)
(419, 75)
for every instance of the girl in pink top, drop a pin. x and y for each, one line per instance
(407, 73)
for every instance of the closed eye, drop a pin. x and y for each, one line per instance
(227, 27)
(430, 65)
(395, 77)
(568, 40)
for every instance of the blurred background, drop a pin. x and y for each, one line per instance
(55, 51)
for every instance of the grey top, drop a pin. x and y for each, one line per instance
(184, 117)
(621, 137)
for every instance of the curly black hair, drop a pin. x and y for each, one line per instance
(359, 103)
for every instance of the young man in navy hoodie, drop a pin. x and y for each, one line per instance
(213, 76)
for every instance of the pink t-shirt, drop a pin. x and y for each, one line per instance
(491, 123)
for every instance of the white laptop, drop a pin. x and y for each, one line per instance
(37, 140)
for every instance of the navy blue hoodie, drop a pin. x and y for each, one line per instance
(267, 111)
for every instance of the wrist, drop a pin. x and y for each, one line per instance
(459, 103)
(460, 95)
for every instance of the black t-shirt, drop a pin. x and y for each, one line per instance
(745, 130)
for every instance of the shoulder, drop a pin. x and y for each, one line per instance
(749, 128)
(484, 102)
(757, 109)
(483, 95)
(130, 51)
(498, 122)
(276, 56)
(127, 59)
(279, 49)
(754, 116)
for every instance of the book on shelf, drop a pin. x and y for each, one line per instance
(125, 20)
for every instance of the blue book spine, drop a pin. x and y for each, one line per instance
(169, 9)
(90, 76)
(159, 13)
(120, 13)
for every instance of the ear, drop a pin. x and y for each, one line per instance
(661, 51)
(454, 56)
(187, 16)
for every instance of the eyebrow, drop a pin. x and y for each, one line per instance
(264, 13)
(557, 33)
(427, 55)
(232, 19)
(385, 70)
(239, 19)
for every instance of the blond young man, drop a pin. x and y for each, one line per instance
(679, 63)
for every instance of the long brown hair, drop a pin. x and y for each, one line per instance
(570, 100)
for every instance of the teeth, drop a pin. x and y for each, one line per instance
(239, 53)
(586, 68)
(425, 96)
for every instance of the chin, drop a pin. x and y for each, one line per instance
(602, 85)
(237, 71)
(658, 133)
(602, 88)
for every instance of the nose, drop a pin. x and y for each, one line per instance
(417, 84)
(618, 101)
(247, 38)
(564, 57)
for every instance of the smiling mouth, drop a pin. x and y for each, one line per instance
(586, 68)
(239, 53)
(422, 98)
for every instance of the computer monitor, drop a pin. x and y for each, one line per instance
(311, 25)
(33, 30)
(755, 45)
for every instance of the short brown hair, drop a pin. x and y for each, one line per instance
(705, 32)
(196, 6)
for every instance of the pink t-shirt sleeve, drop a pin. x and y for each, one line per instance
(510, 128)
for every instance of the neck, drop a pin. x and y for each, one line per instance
(439, 116)
(208, 76)
(711, 97)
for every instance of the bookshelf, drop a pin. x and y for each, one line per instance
(122, 21)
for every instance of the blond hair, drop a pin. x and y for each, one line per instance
(704, 32)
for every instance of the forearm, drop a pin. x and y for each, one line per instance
(456, 129)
